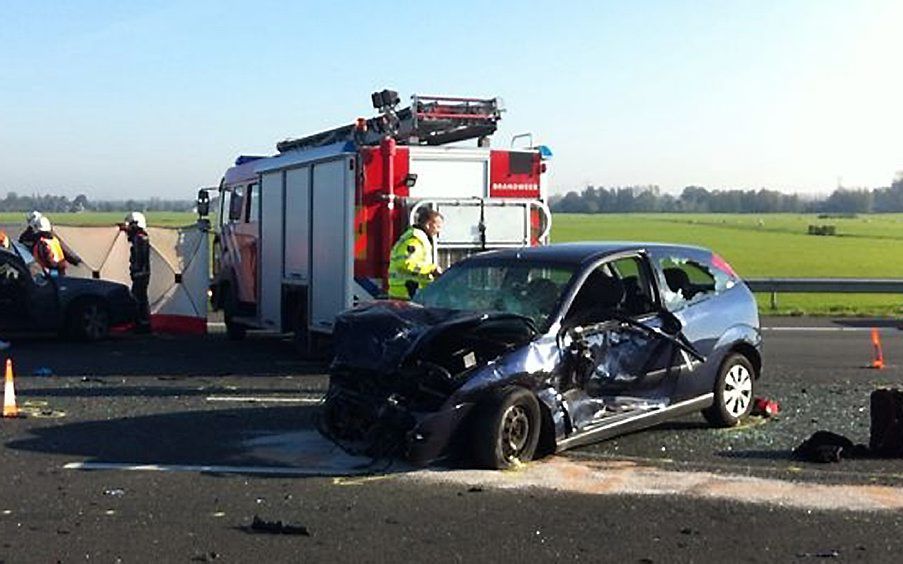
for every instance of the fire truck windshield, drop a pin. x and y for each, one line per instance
(529, 290)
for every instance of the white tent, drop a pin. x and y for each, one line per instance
(179, 269)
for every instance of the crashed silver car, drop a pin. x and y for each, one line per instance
(514, 354)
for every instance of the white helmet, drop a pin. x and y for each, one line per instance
(137, 218)
(32, 218)
(44, 225)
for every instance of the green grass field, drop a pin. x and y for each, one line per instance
(156, 219)
(778, 245)
(756, 245)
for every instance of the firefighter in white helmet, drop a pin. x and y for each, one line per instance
(139, 266)
(411, 265)
(47, 250)
(31, 234)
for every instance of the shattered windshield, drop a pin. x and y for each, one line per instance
(530, 290)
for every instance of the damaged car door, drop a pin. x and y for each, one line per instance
(626, 353)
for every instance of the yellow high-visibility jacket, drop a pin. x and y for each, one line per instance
(411, 265)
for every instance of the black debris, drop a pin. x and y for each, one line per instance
(825, 446)
(259, 525)
(823, 554)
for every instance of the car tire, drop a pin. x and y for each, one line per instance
(506, 428)
(734, 392)
(89, 320)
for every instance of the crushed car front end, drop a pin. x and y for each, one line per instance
(405, 378)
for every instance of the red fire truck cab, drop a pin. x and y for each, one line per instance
(306, 233)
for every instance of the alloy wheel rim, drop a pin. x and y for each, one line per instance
(737, 391)
(515, 430)
(95, 322)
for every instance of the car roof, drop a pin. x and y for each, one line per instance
(580, 252)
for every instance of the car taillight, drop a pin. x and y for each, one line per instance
(723, 266)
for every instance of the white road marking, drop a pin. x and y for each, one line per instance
(216, 469)
(263, 399)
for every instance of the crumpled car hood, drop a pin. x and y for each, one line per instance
(382, 336)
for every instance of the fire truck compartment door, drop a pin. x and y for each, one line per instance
(503, 225)
(297, 225)
(270, 268)
(331, 242)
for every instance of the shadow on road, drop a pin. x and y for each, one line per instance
(274, 437)
(173, 356)
(94, 389)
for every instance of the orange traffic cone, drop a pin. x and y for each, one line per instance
(9, 393)
(878, 362)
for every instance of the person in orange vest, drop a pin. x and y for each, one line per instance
(4, 241)
(47, 250)
(31, 234)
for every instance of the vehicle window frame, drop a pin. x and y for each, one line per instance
(223, 218)
(581, 276)
(252, 205)
(237, 211)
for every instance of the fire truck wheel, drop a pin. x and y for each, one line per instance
(234, 330)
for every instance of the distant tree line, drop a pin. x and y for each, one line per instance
(48, 203)
(697, 199)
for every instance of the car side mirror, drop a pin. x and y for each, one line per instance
(670, 323)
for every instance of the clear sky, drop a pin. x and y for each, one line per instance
(138, 99)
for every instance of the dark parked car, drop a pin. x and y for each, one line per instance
(518, 353)
(32, 301)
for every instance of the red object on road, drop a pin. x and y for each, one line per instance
(765, 407)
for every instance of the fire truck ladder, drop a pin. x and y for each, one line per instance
(429, 120)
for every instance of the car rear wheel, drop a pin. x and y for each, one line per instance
(506, 428)
(734, 392)
(89, 321)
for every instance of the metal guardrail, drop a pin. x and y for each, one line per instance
(824, 285)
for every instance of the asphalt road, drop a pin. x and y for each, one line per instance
(228, 429)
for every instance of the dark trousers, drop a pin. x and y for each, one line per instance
(139, 290)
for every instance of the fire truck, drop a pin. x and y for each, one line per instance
(306, 233)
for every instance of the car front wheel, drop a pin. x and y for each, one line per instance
(89, 321)
(734, 391)
(506, 428)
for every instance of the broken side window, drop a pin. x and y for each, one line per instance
(688, 281)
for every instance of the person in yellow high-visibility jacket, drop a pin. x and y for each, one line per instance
(411, 265)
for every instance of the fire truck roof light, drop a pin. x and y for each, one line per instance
(544, 152)
(242, 159)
